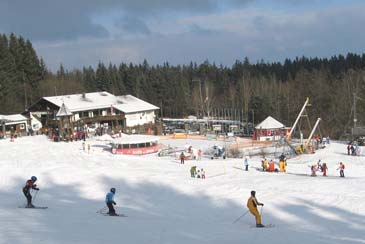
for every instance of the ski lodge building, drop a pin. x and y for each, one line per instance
(16, 124)
(96, 109)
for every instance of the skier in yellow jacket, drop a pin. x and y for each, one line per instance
(252, 204)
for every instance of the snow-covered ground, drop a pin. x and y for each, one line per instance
(165, 205)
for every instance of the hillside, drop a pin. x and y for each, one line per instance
(165, 205)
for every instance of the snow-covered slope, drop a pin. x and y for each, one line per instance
(165, 205)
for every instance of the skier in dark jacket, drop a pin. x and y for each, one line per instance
(182, 158)
(26, 190)
(109, 200)
(282, 157)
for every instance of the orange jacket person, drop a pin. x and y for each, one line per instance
(271, 166)
(252, 204)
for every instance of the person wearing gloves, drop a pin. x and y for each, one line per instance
(26, 190)
(252, 204)
(109, 200)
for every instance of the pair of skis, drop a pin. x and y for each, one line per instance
(253, 226)
(35, 207)
(265, 226)
(103, 212)
(116, 215)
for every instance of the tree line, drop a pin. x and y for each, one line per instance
(256, 89)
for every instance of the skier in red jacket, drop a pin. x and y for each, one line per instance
(26, 190)
(324, 169)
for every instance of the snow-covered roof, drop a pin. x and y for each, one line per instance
(104, 137)
(100, 100)
(133, 139)
(13, 118)
(63, 111)
(85, 101)
(202, 120)
(131, 104)
(269, 123)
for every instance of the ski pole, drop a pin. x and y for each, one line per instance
(101, 210)
(239, 217)
(25, 202)
(35, 195)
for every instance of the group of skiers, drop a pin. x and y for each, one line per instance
(319, 166)
(321, 141)
(30, 184)
(270, 166)
(197, 173)
(353, 149)
(192, 155)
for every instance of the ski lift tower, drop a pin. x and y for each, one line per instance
(357, 131)
(302, 113)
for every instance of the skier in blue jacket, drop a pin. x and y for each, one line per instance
(109, 199)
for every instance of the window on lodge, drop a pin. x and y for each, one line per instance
(125, 146)
(140, 145)
(150, 144)
(122, 146)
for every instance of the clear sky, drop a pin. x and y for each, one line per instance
(83, 32)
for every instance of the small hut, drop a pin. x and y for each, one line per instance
(65, 124)
(269, 130)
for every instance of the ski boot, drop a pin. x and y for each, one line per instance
(29, 205)
(260, 225)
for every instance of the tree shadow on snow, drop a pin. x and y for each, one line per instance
(156, 214)
(159, 213)
(319, 223)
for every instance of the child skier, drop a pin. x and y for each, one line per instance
(252, 204)
(246, 163)
(314, 169)
(26, 190)
(198, 174)
(109, 200)
(182, 158)
(324, 169)
(341, 168)
(200, 154)
(203, 173)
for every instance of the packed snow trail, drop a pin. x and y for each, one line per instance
(165, 205)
